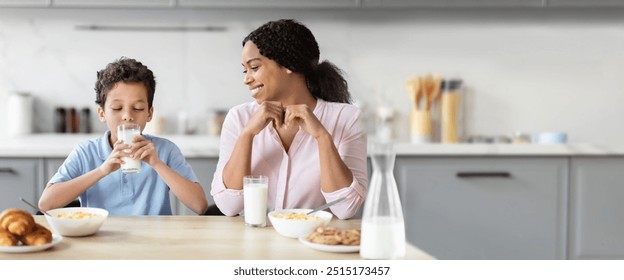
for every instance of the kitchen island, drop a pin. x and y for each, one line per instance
(190, 238)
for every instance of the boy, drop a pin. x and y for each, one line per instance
(124, 94)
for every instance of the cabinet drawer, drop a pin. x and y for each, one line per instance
(18, 178)
(485, 208)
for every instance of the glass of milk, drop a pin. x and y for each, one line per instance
(255, 200)
(127, 132)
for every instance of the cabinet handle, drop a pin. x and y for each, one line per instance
(7, 170)
(502, 174)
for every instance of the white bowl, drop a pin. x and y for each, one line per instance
(296, 228)
(76, 226)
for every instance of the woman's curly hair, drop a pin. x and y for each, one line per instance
(292, 45)
(125, 70)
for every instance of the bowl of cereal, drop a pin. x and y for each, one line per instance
(76, 221)
(295, 223)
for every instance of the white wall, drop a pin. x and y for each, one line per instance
(531, 70)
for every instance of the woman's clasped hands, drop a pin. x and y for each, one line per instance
(286, 117)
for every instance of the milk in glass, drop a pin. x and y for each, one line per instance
(127, 132)
(255, 189)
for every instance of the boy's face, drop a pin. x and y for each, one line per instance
(125, 103)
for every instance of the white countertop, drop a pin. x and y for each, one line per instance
(60, 145)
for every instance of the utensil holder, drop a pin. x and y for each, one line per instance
(421, 126)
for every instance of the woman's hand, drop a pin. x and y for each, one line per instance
(302, 116)
(268, 111)
(114, 161)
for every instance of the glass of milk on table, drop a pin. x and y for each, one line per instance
(255, 200)
(127, 132)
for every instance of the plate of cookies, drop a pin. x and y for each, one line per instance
(331, 239)
(19, 233)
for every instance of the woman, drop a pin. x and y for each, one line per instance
(314, 151)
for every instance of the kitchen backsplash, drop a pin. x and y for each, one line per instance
(523, 69)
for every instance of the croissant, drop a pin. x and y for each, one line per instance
(16, 221)
(6, 238)
(38, 236)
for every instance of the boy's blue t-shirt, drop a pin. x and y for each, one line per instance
(143, 193)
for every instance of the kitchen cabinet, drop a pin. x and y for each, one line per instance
(485, 207)
(596, 207)
(452, 3)
(585, 3)
(204, 169)
(51, 167)
(268, 3)
(19, 177)
(113, 3)
(24, 3)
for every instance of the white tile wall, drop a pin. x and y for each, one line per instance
(531, 70)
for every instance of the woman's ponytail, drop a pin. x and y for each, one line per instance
(326, 82)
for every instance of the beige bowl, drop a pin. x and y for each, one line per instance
(296, 228)
(76, 221)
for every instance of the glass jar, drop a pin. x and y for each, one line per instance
(383, 227)
(451, 113)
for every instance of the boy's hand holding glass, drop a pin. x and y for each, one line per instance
(145, 150)
(114, 161)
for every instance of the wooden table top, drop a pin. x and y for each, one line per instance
(189, 238)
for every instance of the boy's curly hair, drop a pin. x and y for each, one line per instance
(125, 70)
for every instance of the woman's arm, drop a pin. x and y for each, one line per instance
(335, 174)
(343, 168)
(239, 164)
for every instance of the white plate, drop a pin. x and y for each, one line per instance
(330, 248)
(56, 239)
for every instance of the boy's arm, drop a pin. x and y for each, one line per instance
(60, 194)
(190, 193)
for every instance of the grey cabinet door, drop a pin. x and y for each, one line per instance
(24, 3)
(113, 3)
(596, 208)
(585, 3)
(51, 166)
(19, 178)
(204, 168)
(485, 208)
(268, 3)
(452, 3)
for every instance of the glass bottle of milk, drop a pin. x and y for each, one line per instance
(383, 228)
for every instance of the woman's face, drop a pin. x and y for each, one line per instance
(264, 77)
